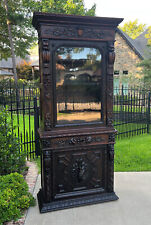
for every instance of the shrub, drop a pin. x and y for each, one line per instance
(14, 197)
(11, 159)
(24, 71)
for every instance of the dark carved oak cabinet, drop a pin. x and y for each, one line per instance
(76, 100)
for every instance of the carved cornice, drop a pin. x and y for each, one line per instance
(76, 32)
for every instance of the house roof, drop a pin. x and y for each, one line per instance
(8, 63)
(132, 43)
(5, 73)
(141, 43)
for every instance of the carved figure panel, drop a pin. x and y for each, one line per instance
(76, 171)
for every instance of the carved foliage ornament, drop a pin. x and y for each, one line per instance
(78, 141)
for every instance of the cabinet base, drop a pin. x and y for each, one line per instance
(75, 202)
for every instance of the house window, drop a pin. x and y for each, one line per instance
(116, 72)
(125, 72)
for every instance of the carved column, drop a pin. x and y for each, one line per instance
(110, 66)
(47, 175)
(47, 84)
(110, 167)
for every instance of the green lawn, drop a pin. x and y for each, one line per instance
(25, 123)
(132, 128)
(24, 130)
(126, 108)
(133, 154)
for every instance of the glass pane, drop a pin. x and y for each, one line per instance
(78, 85)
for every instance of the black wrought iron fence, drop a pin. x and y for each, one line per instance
(131, 113)
(23, 108)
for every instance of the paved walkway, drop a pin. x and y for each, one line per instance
(132, 208)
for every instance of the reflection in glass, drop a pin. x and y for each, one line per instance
(78, 85)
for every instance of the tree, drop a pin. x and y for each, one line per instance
(146, 63)
(17, 15)
(133, 29)
(146, 72)
(16, 32)
(11, 40)
(75, 7)
(148, 35)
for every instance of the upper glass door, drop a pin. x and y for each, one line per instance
(78, 85)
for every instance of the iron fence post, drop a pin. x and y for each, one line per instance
(148, 113)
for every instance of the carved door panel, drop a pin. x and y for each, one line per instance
(79, 172)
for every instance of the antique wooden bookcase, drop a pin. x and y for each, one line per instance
(76, 100)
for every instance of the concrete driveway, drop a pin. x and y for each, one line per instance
(132, 208)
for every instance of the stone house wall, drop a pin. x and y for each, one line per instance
(125, 61)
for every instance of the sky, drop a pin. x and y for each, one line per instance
(129, 9)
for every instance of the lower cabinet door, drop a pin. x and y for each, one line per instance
(79, 172)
